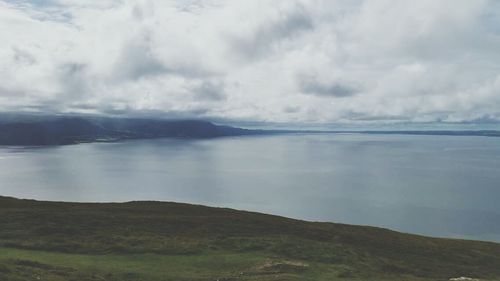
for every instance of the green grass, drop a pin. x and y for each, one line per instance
(172, 241)
(132, 266)
(41, 265)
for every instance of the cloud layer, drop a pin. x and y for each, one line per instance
(261, 60)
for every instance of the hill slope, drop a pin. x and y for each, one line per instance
(172, 241)
(25, 130)
(70, 130)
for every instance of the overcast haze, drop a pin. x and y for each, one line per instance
(276, 61)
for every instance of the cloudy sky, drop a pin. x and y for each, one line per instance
(269, 60)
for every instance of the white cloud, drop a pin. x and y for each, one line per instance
(263, 60)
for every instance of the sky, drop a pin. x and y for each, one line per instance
(254, 60)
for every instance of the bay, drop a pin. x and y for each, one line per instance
(445, 186)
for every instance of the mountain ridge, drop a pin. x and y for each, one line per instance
(72, 130)
(41, 130)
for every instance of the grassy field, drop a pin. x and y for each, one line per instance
(172, 241)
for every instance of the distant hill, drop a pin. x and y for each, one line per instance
(172, 241)
(479, 133)
(59, 130)
(71, 130)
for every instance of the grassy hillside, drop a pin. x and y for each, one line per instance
(172, 241)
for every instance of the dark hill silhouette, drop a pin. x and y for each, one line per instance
(59, 130)
(71, 130)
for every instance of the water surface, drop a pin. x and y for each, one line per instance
(434, 185)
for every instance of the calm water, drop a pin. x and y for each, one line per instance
(433, 185)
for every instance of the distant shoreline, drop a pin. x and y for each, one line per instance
(74, 130)
(86, 140)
